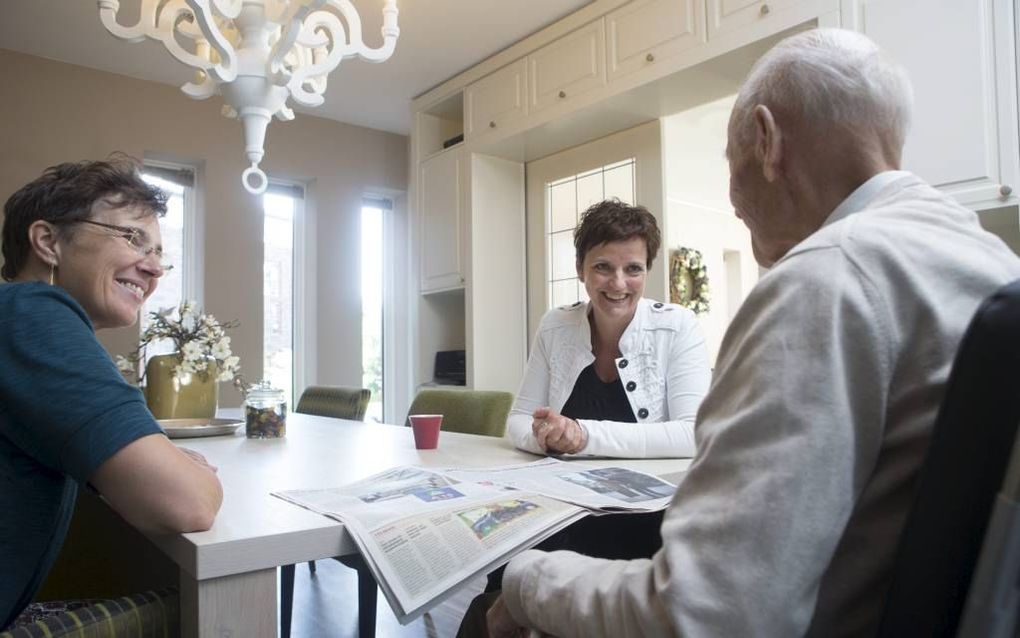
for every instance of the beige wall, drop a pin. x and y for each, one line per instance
(53, 112)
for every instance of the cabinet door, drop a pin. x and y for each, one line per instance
(727, 15)
(568, 67)
(645, 32)
(496, 100)
(441, 188)
(961, 61)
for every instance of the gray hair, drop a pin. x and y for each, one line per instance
(832, 80)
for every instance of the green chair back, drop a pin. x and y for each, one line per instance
(468, 411)
(334, 401)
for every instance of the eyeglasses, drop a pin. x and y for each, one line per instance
(137, 239)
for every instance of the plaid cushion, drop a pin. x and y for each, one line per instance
(152, 614)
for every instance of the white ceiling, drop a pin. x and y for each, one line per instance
(438, 39)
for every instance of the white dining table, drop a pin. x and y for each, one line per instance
(228, 574)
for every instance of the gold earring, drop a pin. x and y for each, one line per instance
(53, 269)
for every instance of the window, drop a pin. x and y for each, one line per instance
(566, 199)
(280, 205)
(175, 285)
(373, 212)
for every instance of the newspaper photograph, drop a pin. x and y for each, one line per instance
(602, 489)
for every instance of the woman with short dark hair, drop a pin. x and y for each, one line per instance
(620, 375)
(82, 251)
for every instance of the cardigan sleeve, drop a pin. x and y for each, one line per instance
(534, 394)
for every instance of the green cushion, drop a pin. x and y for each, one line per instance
(336, 402)
(152, 614)
(469, 411)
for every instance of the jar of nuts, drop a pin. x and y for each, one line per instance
(265, 412)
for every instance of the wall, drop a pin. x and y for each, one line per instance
(698, 211)
(54, 112)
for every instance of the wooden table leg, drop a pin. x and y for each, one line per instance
(237, 606)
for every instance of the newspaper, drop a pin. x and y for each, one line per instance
(424, 532)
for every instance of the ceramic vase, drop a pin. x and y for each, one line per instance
(194, 396)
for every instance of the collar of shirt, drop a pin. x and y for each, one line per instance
(864, 194)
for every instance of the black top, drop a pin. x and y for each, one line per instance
(592, 398)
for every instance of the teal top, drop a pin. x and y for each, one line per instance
(64, 410)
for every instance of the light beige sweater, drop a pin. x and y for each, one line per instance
(826, 388)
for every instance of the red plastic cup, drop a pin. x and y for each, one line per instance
(426, 430)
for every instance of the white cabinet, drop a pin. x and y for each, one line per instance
(961, 60)
(645, 32)
(570, 66)
(442, 192)
(729, 15)
(496, 100)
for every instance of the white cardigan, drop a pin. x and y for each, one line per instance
(663, 365)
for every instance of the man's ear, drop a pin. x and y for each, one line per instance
(768, 146)
(580, 271)
(42, 237)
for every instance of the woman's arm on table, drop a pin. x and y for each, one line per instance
(534, 394)
(160, 488)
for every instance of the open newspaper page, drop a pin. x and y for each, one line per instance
(424, 533)
(600, 489)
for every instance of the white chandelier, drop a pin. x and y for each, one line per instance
(256, 54)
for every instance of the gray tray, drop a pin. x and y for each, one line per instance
(191, 428)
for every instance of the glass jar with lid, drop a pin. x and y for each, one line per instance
(265, 412)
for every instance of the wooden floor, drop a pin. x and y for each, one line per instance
(326, 606)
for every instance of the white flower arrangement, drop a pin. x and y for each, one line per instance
(200, 340)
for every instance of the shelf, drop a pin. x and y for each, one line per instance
(441, 122)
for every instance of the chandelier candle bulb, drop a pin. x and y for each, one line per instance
(257, 54)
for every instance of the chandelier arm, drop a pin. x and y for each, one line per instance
(146, 26)
(285, 114)
(332, 25)
(390, 31)
(292, 21)
(168, 25)
(200, 90)
(229, 9)
(226, 70)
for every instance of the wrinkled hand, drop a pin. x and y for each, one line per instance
(557, 434)
(501, 624)
(198, 458)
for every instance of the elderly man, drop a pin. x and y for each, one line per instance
(827, 383)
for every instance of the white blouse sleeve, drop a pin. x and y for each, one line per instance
(534, 394)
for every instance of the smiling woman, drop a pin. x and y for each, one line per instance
(83, 251)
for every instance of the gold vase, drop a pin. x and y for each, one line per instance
(194, 396)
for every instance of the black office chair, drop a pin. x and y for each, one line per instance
(966, 464)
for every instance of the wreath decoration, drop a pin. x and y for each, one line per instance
(688, 280)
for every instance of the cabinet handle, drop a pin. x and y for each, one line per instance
(765, 9)
(649, 58)
(492, 124)
(1005, 190)
(563, 94)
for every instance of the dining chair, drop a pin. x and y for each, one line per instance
(335, 401)
(468, 411)
(152, 613)
(971, 442)
(339, 403)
